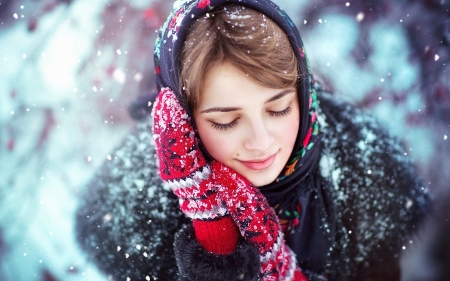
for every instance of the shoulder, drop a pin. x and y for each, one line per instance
(126, 220)
(378, 195)
(362, 147)
(363, 150)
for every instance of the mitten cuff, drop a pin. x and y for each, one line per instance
(195, 263)
(219, 236)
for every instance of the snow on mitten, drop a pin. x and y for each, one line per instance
(184, 169)
(257, 223)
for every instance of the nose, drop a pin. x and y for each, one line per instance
(258, 137)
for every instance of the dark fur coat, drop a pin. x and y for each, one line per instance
(370, 195)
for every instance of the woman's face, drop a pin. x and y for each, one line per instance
(246, 126)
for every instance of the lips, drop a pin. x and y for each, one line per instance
(260, 164)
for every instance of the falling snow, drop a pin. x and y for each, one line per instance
(84, 64)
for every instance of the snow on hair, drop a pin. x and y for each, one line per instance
(243, 37)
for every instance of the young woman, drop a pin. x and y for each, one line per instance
(245, 185)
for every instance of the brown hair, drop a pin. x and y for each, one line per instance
(243, 37)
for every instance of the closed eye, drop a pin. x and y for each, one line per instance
(223, 127)
(284, 112)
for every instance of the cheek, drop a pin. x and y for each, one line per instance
(292, 130)
(287, 135)
(219, 146)
(287, 131)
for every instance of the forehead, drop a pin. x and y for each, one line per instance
(226, 85)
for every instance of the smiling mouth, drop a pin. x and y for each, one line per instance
(259, 164)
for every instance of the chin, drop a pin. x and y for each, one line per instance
(261, 179)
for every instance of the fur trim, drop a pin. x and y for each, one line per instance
(195, 263)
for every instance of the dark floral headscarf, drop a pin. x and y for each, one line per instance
(289, 192)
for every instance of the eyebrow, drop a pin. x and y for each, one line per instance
(230, 109)
(280, 95)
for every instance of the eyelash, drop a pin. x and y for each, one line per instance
(223, 127)
(282, 113)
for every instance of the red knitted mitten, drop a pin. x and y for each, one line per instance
(257, 223)
(183, 168)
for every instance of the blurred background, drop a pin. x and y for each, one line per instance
(70, 69)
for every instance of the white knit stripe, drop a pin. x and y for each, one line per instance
(287, 255)
(197, 214)
(198, 194)
(193, 180)
(275, 249)
(291, 266)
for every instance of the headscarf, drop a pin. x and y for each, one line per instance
(290, 194)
